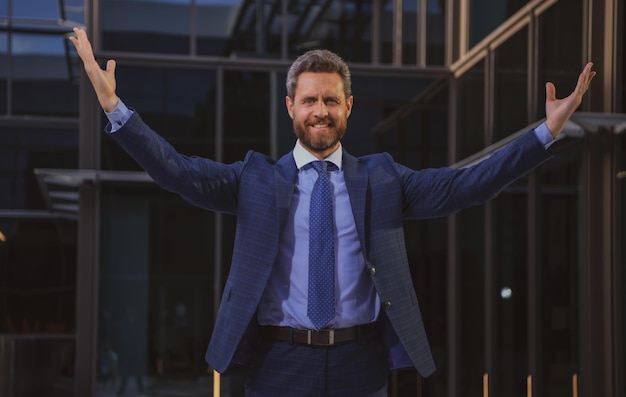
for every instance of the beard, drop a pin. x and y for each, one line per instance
(320, 142)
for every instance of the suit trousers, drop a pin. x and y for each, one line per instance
(355, 369)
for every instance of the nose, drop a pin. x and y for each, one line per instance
(321, 109)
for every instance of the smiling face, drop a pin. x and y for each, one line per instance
(319, 110)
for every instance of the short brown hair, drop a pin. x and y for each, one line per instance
(318, 61)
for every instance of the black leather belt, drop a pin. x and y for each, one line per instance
(325, 337)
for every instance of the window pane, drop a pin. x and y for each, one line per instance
(409, 32)
(4, 71)
(74, 10)
(416, 141)
(561, 56)
(386, 32)
(427, 248)
(178, 103)
(511, 86)
(22, 149)
(487, 15)
(415, 137)
(472, 295)
(246, 113)
(156, 291)
(153, 26)
(42, 365)
(471, 119)
(229, 27)
(560, 260)
(41, 71)
(37, 306)
(37, 276)
(44, 9)
(511, 264)
(436, 31)
(343, 27)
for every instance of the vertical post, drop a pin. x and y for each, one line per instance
(598, 176)
(397, 33)
(216, 384)
(486, 385)
(534, 298)
(87, 260)
(453, 306)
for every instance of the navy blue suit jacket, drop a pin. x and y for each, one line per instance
(382, 193)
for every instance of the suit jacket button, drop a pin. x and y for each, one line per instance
(372, 271)
(387, 305)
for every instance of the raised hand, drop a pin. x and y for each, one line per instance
(103, 81)
(558, 111)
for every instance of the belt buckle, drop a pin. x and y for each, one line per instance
(328, 342)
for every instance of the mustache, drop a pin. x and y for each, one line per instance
(324, 120)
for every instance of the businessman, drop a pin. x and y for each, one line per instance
(319, 299)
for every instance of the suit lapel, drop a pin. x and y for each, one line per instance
(285, 174)
(356, 177)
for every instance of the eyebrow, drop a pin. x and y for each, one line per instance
(326, 98)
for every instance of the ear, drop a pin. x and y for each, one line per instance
(349, 103)
(289, 104)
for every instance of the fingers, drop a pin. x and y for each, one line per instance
(582, 85)
(110, 66)
(550, 92)
(82, 44)
(585, 77)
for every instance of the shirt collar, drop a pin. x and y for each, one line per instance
(304, 157)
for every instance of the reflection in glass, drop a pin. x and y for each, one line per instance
(43, 9)
(511, 86)
(73, 10)
(472, 296)
(37, 275)
(41, 69)
(246, 113)
(471, 118)
(229, 28)
(39, 365)
(561, 256)
(560, 57)
(156, 292)
(510, 242)
(417, 142)
(4, 72)
(161, 27)
(178, 103)
(435, 31)
(487, 15)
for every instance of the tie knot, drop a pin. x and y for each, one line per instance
(323, 166)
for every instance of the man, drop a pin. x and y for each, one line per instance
(298, 336)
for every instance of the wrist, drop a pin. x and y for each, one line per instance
(110, 103)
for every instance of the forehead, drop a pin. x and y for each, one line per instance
(310, 83)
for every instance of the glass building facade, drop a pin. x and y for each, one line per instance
(109, 283)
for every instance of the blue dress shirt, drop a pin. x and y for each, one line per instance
(284, 301)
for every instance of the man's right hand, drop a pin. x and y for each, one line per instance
(103, 81)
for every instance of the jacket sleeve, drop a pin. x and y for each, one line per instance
(203, 182)
(439, 192)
